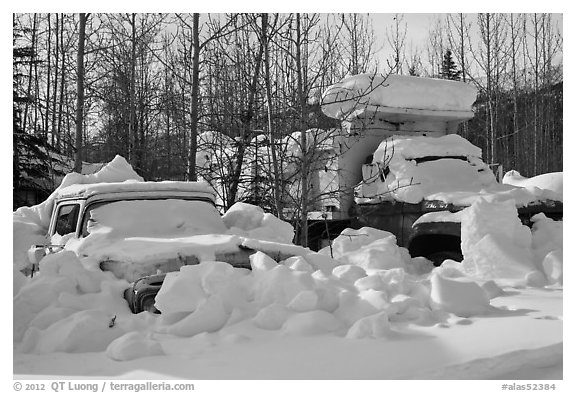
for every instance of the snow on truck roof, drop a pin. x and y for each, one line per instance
(132, 186)
(400, 97)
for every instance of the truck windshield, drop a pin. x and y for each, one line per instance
(152, 218)
(420, 160)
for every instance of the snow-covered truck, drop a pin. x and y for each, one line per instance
(139, 231)
(402, 168)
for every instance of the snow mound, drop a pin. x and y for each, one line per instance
(458, 295)
(70, 293)
(272, 317)
(495, 244)
(553, 181)
(373, 326)
(553, 267)
(547, 235)
(68, 307)
(83, 331)
(547, 243)
(351, 95)
(368, 248)
(133, 345)
(251, 221)
(311, 323)
(188, 289)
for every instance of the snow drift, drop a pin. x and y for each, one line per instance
(553, 181)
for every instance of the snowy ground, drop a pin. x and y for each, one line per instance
(368, 312)
(524, 342)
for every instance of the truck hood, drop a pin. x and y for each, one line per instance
(447, 168)
(135, 257)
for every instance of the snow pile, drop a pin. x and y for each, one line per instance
(547, 242)
(350, 96)
(548, 181)
(368, 248)
(496, 246)
(371, 289)
(252, 222)
(72, 306)
(457, 294)
(68, 307)
(30, 224)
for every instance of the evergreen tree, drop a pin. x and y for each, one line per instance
(448, 69)
(31, 162)
(412, 71)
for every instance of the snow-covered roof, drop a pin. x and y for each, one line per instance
(399, 97)
(132, 186)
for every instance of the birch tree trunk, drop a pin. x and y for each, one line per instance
(80, 94)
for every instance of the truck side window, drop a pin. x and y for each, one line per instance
(66, 219)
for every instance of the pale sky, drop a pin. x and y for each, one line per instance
(418, 26)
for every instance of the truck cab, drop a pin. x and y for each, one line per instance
(402, 167)
(141, 231)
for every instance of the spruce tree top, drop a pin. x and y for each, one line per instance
(448, 69)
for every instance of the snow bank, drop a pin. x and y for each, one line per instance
(252, 222)
(458, 295)
(343, 99)
(547, 243)
(315, 295)
(548, 181)
(368, 248)
(67, 307)
(364, 293)
(496, 246)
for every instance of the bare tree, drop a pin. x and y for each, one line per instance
(80, 93)
(396, 37)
